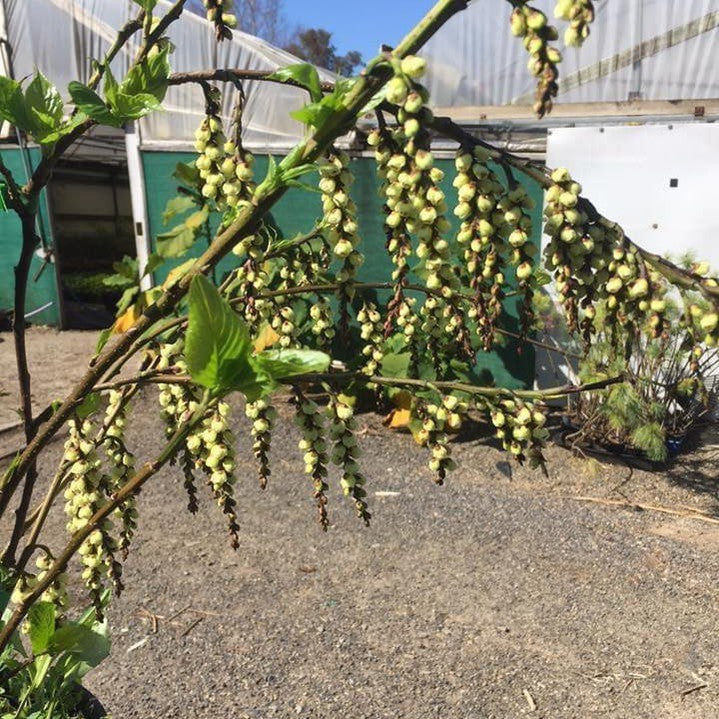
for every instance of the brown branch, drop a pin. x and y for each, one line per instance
(143, 379)
(43, 172)
(628, 504)
(125, 33)
(154, 36)
(14, 192)
(448, 385)
(234, 74)
(22, 271)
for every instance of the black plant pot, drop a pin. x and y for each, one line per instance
(675, 444)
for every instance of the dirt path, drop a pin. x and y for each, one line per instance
(479, 600)
(56, 358)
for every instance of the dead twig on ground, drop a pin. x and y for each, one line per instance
(628, 504)
(191, 627)
(154, 618)
(530, 700)
(172, 619)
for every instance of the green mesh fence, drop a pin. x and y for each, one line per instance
(297, 212)
(41, 289)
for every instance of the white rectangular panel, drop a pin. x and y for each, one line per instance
(659, 182)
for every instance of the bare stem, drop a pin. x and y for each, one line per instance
(450, 386)
(22, 271)
(126, 32)
(234, 74)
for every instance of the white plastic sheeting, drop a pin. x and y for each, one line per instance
(60, 37)
(638, 49)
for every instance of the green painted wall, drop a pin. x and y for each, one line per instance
(297, 212)
(44, 289)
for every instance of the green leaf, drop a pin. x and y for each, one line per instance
(12, 104)
(102, 340)
(139, 95)
(118, 281)
(153, 262)
(127, 268)
(293, 173)
(303, 74)
(427, 370)
(177, 206)
(92, 105)
(375, 101)
(89, 405)
(43, 104)
(218, 344)
(89, 617)
(41, 618)
(187, 173)
(110, 88)
(396, 365)
(9, 90)
(65, 128)
(82, 643)
(176, 241)
(128, 297)
(314, 114)
(303, 186)
(39, 669)
(198, 219)
(149, 77)
(133, 107)
(147, 5)
(318, 113)
(177, 273)
(253, 384)
(465, 372)
(281, 363)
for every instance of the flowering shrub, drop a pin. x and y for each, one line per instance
(289, 307)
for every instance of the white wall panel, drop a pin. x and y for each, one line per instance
(659, 182)
(628, 173)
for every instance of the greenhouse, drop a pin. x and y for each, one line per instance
(648, 70)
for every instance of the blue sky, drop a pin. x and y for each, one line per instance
(360, 25)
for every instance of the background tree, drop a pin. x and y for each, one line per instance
(266, 19)
(315, 46)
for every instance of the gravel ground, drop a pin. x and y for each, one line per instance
(497, 596)
(56, 358)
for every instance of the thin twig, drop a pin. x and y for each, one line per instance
(628, 504)
(530, 700)
(234, 74)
